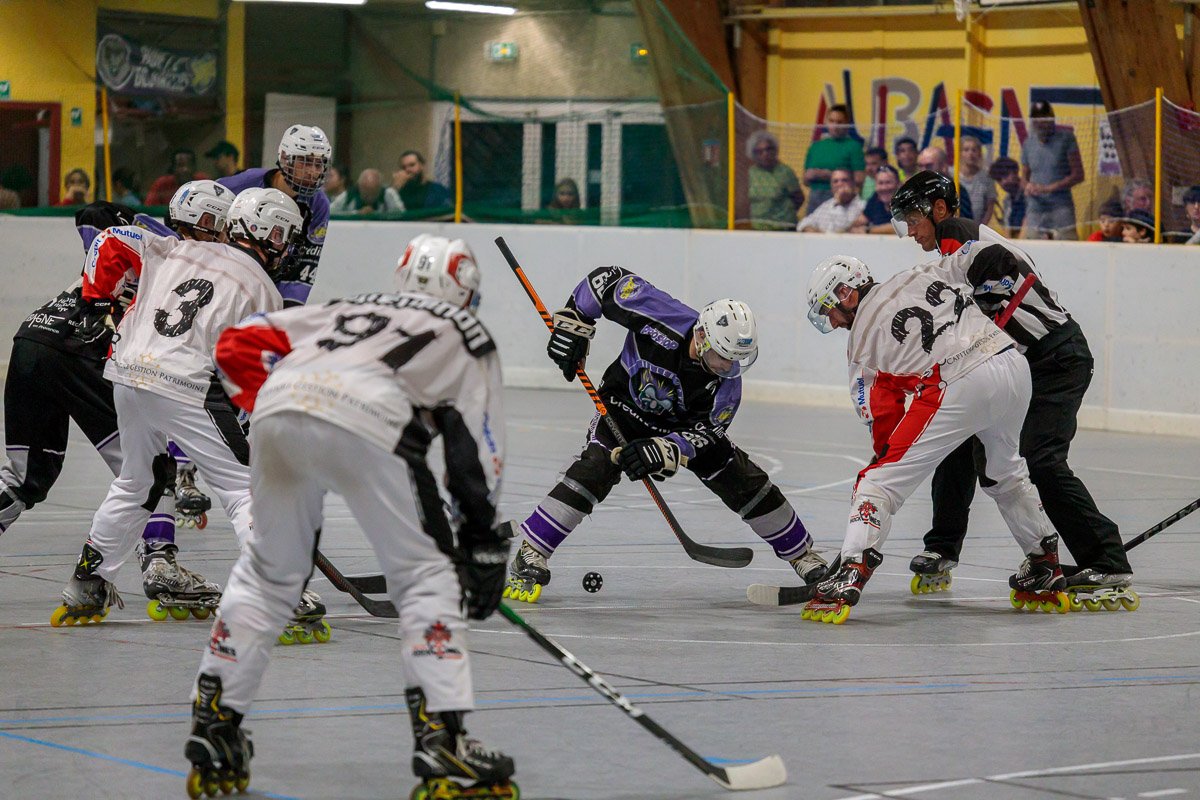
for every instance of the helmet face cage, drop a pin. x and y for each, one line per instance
(268, 218)
(304, 154)
(829, 276)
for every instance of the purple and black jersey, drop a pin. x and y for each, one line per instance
(299, 268)
(654, 379)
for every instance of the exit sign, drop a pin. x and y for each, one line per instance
(502, 51)
(5, 90)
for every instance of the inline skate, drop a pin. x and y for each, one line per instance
(173, 590)
(220, 751)
(1094, 590)
(191, 504)
(1039, 582)
(87, 597)
(450, 764)
(308, 623)
(842, 590)
(932, 572)
(527, 574)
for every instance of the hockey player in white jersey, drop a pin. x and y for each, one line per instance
(918, 336)
(164, 385)
(346, 398)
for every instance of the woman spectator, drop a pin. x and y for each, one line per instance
(877, 216)
(976, 181)
(775, 193)
(77, 185)
(564, 208)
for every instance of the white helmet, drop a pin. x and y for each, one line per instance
(437, 266)
(200, 205)
(267, 217)
(730, 334)
(822, 287)
(304, 155)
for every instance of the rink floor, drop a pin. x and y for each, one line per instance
(954, 696)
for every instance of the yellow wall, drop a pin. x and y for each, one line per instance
(48, 52)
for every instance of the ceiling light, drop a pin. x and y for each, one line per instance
(473, 8)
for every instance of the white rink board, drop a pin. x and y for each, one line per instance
(1136, 303)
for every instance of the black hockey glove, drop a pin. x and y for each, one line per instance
(656, 458)
(95, 321)
(482, 573)
(569, 341)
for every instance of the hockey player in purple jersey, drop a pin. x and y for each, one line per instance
(672, 392)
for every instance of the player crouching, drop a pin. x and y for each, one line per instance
(917, 336)
(163, 384)
(355, 393)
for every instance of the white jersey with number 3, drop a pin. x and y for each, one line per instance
(165, 341)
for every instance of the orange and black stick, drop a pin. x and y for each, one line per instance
(732, 557)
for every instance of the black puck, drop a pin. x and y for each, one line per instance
(592, 582)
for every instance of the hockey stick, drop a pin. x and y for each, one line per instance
(732, 557)
(763, 595)
(376, 608)
(761, 774)
(1166, 523)
(371, 584)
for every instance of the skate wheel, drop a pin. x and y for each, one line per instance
(60, 616)
(1076, 603)
(420, 792)
(202, 522)
(304, 636)
(1131, 603)
(1061, 603)
(506, 594)
(324, 633)
(243, 782)
(212, 786)
(195, 786)
(226, 785)
(287, 638)
(177, 612)
(805, 614)
(1016, 603)
(915, 584)
(1091, 605)
(839, 616)
(1111, 605)
(156, 611)
(201, 613)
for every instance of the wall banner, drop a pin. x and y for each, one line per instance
(130, 67)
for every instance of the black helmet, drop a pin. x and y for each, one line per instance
(101, 215)
(920, 191)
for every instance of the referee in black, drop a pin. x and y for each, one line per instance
(1061, 365)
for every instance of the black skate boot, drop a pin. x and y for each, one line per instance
(842, 589)
(174, 590)
(87, 597)
(810, 566)
(10, 507)
(191, 504)
(1094, 590)
(220, 751)
(308, 623)
(450, 764)
(1039, 581)
(527, 575)
(932, 572)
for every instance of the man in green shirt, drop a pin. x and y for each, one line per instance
(836, 151)
(775, 193)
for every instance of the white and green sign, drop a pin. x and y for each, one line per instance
(5, 90)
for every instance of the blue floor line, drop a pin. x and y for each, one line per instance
(123, 761)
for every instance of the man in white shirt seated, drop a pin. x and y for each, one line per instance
(839, 212)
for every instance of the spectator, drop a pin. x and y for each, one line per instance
(877, 215)
(1138, 195)
(335, 182)
(564, 208)
(906, 157)
(77, 185)
(976, 182)
(226, 156)
(14, 180)
(368, 196)
(1111, 222)
(415, 190)
(1137, 227)
(1191, 205)
(836, 151)
(839, 212)
(1007, 172)
(935, 160)
(183, 169)
(775, 193)
(875, 157)
(123, 184)
(1050, 165)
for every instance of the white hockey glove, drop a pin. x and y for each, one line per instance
(569, 341)
(656, 458)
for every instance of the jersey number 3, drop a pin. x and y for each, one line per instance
(933, 296)
(196, 294)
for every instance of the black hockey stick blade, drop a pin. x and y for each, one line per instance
(761, 774)
(376, 608)
(762, 595)
(371, 584)
(1160, 527)
(730, 557)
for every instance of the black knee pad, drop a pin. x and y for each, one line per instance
(164, 468)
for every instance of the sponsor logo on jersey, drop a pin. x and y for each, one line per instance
(319, 233)
(724, 415)
(600, 279)
(218, 643)
(867, 513)
(128, 233)
(438, 643)
(966, 248)
(659, 338)
(628, 289)
(1005, 284)
(654, 394)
